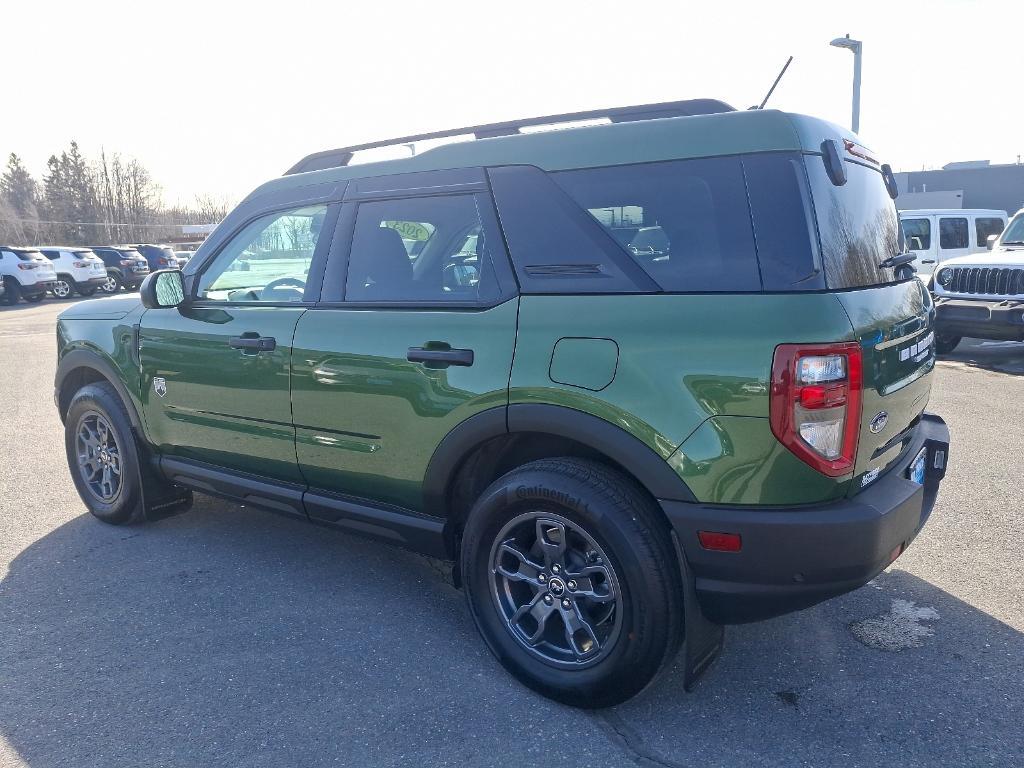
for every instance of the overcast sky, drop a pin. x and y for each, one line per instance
(216, 99)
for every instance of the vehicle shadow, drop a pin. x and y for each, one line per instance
(233, 637)
(995, 356)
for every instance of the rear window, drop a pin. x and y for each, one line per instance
(858, 227)
(685, 223)
(985, 226)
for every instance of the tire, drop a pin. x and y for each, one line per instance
(112, 285)
(35, 298)
(12, 291)
(612, 530)
(100, 401)
(63, 287)
(944, 343)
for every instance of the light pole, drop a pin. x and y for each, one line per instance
(857, 47)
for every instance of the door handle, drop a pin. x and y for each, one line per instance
(440, 358)
(253, 342)
(927, 261)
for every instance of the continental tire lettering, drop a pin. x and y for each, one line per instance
(539, 491)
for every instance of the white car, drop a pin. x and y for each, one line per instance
(79, 270)
(936, 235)
(26, 274)
(982, 295)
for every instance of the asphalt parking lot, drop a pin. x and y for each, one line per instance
(229, 636)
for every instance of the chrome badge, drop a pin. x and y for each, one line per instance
(160, 385)
(878, 423)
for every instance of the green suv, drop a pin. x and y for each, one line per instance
(637, 379)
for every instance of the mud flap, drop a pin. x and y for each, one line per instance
(703, 639)
(160, 498)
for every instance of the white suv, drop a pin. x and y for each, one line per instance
(79, 270)
(982, 295)
(26, 274)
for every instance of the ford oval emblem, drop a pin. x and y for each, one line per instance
(878, 423)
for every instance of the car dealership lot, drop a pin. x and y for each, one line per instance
(231, 636)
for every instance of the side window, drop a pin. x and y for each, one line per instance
(953, 233)
(421, 249)
(267, 261)
(985, 226)
(685, 222)
(917, 233)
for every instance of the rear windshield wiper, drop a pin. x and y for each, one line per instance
(898, 260)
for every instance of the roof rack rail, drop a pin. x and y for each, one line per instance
(336, 158)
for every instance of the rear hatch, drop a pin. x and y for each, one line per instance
(891, 313)
(894, 327)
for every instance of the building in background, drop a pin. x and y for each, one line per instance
(191, 236)
(973, 184)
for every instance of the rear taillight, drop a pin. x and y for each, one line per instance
(28, 266)
(162, 261)
(816, 402)
(127, 262)
(81, 264)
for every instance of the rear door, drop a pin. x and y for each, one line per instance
(216, 382)
(954, 236)
(414, 333)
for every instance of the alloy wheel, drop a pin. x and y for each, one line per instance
(109, 285)
(61, 289)
(556, 590)
(99, 457)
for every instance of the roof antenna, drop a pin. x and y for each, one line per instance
(772, 89)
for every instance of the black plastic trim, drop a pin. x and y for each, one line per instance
(793, 558)
(236, 486)
(83, 358)
(454, 448)
(653, 472)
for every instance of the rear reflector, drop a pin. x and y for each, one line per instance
(720, 542)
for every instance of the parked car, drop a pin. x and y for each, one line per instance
(183, 257)
(620, 454)
(79, 270)
(982, 295)
(936, 235)
(126, 268)
(158, 256)
(26, 273)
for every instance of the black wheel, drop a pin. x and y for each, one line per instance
(90, 291)
(102, 455)
(112, 284)
(12, 291)
(945, 343)
(63, 287)
(35, 298)
(573, 582)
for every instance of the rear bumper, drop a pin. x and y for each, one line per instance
(793, 558)
(1002, 320)
(97, 281)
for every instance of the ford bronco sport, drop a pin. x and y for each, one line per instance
(621, 448)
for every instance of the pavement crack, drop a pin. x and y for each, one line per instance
(629, 741)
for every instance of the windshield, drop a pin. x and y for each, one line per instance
(1014, 234)
(857, 223)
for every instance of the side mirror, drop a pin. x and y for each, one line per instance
(990, 241)
(163, 289)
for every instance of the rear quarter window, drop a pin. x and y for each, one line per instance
(685, 223)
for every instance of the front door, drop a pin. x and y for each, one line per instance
(414, 337)
(216, 371)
